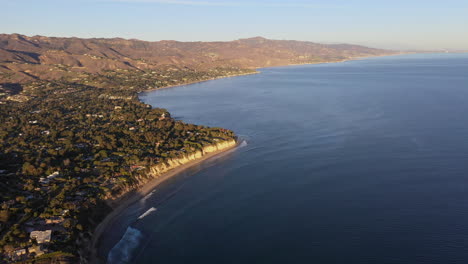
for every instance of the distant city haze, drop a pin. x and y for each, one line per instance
(398, 24)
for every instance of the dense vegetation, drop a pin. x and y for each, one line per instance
(66, 147)
(73, 132)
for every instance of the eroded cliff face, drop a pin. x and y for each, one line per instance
(170, 164)
(166, 165)
(88, 253)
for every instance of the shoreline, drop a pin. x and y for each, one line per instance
(259, 72)
(195, 82)
(121, 204)
(338, 61)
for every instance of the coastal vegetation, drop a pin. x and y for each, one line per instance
(68, 147)
(74, 135)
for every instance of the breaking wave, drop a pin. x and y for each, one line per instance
(243, 144)
(152, 209)
(122, 252)
(147, 196)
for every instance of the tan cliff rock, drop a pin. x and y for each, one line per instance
(157, 174)
(169, 164)
(164, 166)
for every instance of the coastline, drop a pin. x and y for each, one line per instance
(122, 203)
(259, 72)
(338, 61)
(201, 81)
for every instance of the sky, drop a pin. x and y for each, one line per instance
(395, 24)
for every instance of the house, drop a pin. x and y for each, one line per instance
(137, 167)
(43, 180)
(81, 145)
(50, 177)
(80, 193)
(37, 250)
(54, 220)
(18, 254)
(53, 175)
(41, 236)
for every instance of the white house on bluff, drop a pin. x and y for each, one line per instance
(41, 236)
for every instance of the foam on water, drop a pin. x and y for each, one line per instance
(243, 144)
(147, 196)
(122, 252)
(357, 162)
(152, 209)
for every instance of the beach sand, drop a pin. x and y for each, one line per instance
(121, 204)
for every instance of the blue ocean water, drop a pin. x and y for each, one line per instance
(364, 161)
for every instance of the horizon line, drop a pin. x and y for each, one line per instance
(243, 38)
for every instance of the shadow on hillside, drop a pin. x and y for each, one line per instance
(11, 88)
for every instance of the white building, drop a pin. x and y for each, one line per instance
(41, 236)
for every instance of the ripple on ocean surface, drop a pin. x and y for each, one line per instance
(358, 162)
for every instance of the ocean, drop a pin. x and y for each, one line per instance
(364, 161)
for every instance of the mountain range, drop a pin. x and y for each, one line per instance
(24, 58)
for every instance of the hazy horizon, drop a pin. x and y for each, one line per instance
(422, 25)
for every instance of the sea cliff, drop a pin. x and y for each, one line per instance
(163, 167)
(157, 174)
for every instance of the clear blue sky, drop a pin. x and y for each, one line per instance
(422, 24)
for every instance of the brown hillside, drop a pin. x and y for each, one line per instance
(24, 58)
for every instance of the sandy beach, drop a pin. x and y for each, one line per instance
(128, 199)
(119, 205)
